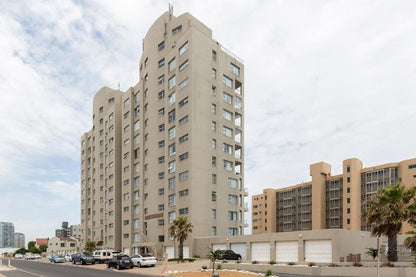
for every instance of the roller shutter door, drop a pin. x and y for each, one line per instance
(318, 251)
(260, 251)
(287, 251)
(240, 248)
(170, 251)
(186, 252)
(219, 246)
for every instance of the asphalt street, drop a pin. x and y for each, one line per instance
(36, 269)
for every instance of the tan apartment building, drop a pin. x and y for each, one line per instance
(64, 245)
(170, 146)
(327, 201)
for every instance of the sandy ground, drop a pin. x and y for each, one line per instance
(222, 273)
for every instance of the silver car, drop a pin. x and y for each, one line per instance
(143, 260)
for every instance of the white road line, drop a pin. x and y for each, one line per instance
(34, 274)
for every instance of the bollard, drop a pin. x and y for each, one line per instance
(9, 263)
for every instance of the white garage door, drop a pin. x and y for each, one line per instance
(240, 248)
(186, 252)
(319, 251)
(219, 246)
(260, 251)
(287, 251)
(170, 252)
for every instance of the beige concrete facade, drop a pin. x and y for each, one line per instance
(170, 146)
(328, 202)
(64, 246)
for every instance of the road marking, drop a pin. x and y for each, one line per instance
(164, 269)
(34, 274)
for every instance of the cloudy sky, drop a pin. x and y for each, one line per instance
(324, 81)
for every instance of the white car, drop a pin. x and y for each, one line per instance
(18, 256)
(37, 256)
(68, 258)
(143, 260)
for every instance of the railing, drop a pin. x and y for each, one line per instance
(231, 54)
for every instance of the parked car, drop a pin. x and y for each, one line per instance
(83, 258)
(143, 260)
(18, 256)
(49, 256)
(37, 256)
(104, 256)
(68, 258)
(29, 256)
(57, 259)
(229, 255)
(120, 261)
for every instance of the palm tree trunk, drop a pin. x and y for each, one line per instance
(392, 251)
(181, 249)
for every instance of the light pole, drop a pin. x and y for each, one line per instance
(378, 256)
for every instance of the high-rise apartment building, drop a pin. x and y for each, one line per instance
(170, 146)
(328, 202)
(19, 240)
(6, 235)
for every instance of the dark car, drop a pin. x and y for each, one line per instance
(120, 261)
(83, 258)
(229, 255)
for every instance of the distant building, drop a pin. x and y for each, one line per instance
(63, 246)
(6, 235)
(63, 232)
(41, 241)
(75, 231)
(19, 240)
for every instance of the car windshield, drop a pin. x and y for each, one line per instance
(86, 255)
(147, 255)
(125, 258)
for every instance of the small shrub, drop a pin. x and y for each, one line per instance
(388, 264)
(272, 262)
(357, 264)
(196, 256)
(239, 261)
(291, 263)
(333, 265)
(181, 260)
(224, 261)
(219, 266)
(254, 262)
(268, 273)
(204, 267)
(311, 264)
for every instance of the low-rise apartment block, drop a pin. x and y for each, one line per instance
(327, 201)
(63, 245)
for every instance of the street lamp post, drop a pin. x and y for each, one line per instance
(378, 256)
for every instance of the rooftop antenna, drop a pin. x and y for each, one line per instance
(118, 85)
(170, 9)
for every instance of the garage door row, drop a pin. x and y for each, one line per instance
(319, 251)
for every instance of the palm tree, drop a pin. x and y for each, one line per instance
(387, 212)
(180, 229)
(213, 255)
(372, 252)
(410, 242)
(89, 246)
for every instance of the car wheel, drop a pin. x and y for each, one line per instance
(118, 267)
(138, 264)
(108, 265)
(83, 262)
(153, 265)
(93, 262)
(73, 262)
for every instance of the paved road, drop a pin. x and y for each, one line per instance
(36, 269)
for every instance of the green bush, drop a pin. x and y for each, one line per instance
(254, 262)
(219, 266)
(357, 264)
(268, 273)
(181, 260)
(291, 263)
(388, 264)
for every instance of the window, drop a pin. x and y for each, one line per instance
(228, 132)
(172, 183)
(126, 102)
(214, 55)
(161, 159)
(237, 120)
(232, 231)
(237, 135)
(213, 126)
(348, 190)
(171, 116)
(213, 213)
(171, 65)
(348, 211)
(126, 209)
(111, 100)
(214, 161)
(161, 95)
(213, 91)
(213, 231)
(183, 211)
(226, 148)
(412, 166)
(160, 47)
(214, 109)
(137, 97)
(126, 222)
(237, 104)
(227, 81)
(183, 175)
(232, 183)
(171, 200)
(136, 125)
(183, 102)
(161, 143)
(161, 63)
(348, 200)
(184, 156)
(177, 30)
(214, 73)
(161, 175)
(348, 169)
(183, 48)
(183, 84)
(172, 167)
(213, 196)
(214, 144)
(136, 223)
(136, 195)
(127, 141)
(172, 149)
(127, 128)
(235, 69)
(227, 98)
(348, 179)
(228, 165)
(161, 112)
(160, 222)
(172, 132)
(214, 179)
(136, 237)
(232, 199)
(161, 191)
(183, 120)
(183, 65)
(136, 181)
(161, 79)
(183, 192)
(110, 117)
(161, 207)
(172, 82)
(348, 221)
(183, 138)
(232, 215)
(161, 127)
(172, 216)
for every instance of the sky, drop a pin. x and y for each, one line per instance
(324, 81)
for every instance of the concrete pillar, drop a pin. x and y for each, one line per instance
(319, 172)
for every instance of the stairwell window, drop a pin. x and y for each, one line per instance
(161, 46)
(171, 65)
(177, 30)
(183, 84)
(183, 48)
(227, 81)
(172, 82)
(183, 65)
